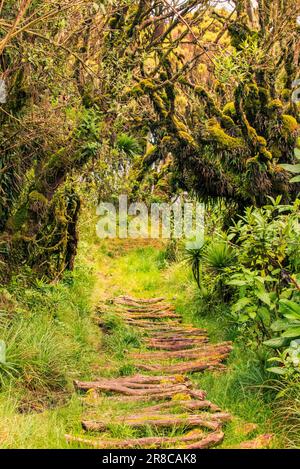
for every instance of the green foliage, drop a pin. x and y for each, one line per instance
(266, 280)
(219, 256)
(128, 144)
(294, 168)
(48, 333)
(194, 257)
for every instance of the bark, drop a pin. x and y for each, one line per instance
(168, 421)
(204, 351)
(200, 439)
(187, 405)
(128, 300)
(191, 367)
(170, 345)
(212, 439)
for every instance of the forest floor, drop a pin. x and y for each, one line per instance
(140, 270)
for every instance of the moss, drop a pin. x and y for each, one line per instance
(159, 105)
(275, 105)
(229, 109)
(150, 151)
(239, 33)
(167, 140)
(290, 124)
(179, 124)
(187, 138)
(147, 85)
(135, 90)
(262, 142)
(286, 95)
(218, 135)
(264, 96)
(182, 131)
(36, 196)
(266, 153)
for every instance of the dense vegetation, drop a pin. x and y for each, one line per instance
(153, 99)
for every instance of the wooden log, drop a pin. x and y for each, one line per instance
(109, 386)
(159, 309)
(157, 422)
(165, 397)
(125, 299)
(153, 316)
(154, 325)
(170, 346)
(148, 379)
(212, 439)
(147, 442)
(187, 405)
(220, 417)
(260, 442)
(190, 367)
(176, 338)
(170, 333)
(206, 350)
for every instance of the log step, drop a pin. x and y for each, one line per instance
(200, 440)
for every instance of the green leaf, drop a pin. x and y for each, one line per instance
(275, 343)
(291, 168)
(237, 283)
(290, 307)
(263, 296)
(280, 325)
(295, 179)
(297, 153)
(292, 332)
(264, 314)
(240, 304)
(278, 370)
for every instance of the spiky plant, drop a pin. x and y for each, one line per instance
(219, 256)
(194, 257)
(128, 144)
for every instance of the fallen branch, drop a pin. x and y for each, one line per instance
(168, 421)
(206, 441)
(187, 405)
(191, 367)
(212, 439)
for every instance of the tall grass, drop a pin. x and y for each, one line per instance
(49, 335)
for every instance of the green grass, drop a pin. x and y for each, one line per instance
(52, 339)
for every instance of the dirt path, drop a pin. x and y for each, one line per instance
(172, 350)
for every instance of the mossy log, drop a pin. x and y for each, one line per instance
(168, 421)
(212, 439)
(199, 438)
(191, 367)
(137, 387)
(220, 417)
(152, 309)
(206, 350)
(176, 345)
(154, 316)
(128, 300)
(189, 405)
